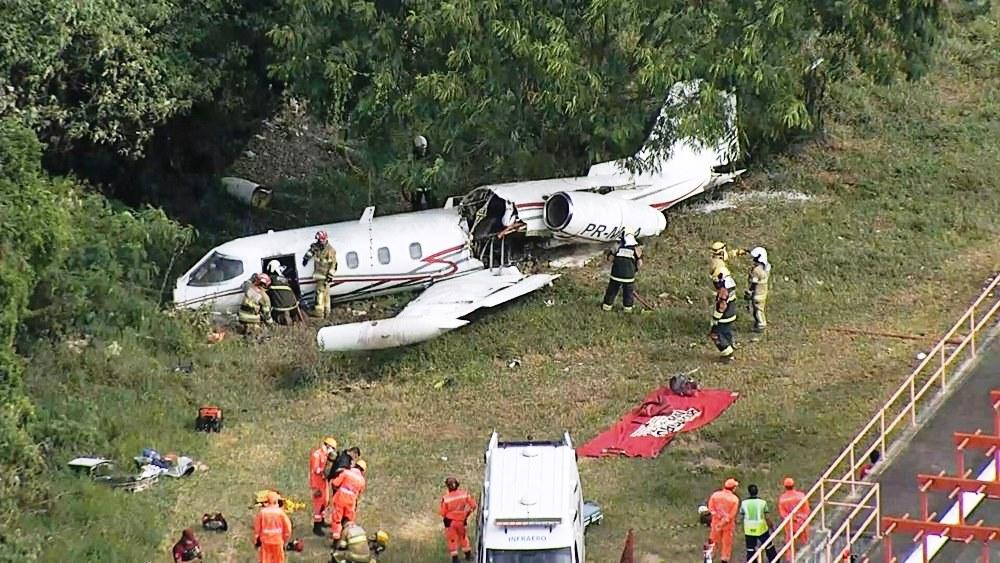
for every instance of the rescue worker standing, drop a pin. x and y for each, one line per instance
(349, 486)
(284, 303)
(757, 525)
(318, 484)
(786, 505)
(456, 507)
(256, 306)
(757, 281)
(355, 546)
(723, 316)
(627, 262)
(718, 262)
(724, 506)
(324, 259)
(271, 530)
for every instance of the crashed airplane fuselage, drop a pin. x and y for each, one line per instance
(463, 254)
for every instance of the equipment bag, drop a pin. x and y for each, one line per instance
(683, 385)
(330, 466)
(209, 419)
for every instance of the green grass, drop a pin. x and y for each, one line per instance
(901, 237)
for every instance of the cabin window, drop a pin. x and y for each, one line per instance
(352, 260)
(216, 269)
(415, 251)
(383, 255)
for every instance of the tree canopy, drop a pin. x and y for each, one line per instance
(515, 88)
(108, 72)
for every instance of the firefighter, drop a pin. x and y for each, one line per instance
(723, 316)
(256, 306)
(324, 259)
(423, 197)
(719, 260)
(349, 486)
(284, 303)
(627, 262)
(786, 505)
(357, 547)
(318, 483)
(756, 292)
(456, 507)
(271, 530)
(724, 505)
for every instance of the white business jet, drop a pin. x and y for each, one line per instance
(444, 251)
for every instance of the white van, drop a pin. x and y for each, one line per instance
(532, 503)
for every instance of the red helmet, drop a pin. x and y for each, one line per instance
(264, 280)
(321, 236)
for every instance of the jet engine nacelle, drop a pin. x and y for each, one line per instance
(599, 217)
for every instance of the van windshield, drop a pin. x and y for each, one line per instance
(561, 555)
(216, 269)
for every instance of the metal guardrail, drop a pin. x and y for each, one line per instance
(899, 415)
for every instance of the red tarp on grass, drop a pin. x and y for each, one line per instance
(648, 428)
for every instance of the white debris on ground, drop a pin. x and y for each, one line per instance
(578, 258)
(732, 200)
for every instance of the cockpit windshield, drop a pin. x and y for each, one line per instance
(216, 269)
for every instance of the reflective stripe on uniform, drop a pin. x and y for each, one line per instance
(753, 510)
(623, 280)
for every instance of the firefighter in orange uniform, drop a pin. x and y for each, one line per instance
(349, 486)
(786, 504)
(271, 530)
(456, 507)
(318, 483)
(724, 505)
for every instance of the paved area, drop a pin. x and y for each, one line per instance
(931, 451)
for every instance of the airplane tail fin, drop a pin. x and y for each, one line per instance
(686, 156)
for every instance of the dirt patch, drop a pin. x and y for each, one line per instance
(419, 527)
(291, 145)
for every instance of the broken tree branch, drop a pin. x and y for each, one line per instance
(952, 341)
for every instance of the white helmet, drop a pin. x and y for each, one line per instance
(759, 254)
(628, 239)
(275, 267)
(420, 142)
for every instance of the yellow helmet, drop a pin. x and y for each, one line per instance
(719, 250)
(363, 465)
(382, 537)
(330, 441)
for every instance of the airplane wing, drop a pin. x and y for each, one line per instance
(436, 311)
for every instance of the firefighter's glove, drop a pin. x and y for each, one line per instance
(317, 493)
(747, 295)
(305, 259)
(256, 543)
(329, 278)
(447, 522)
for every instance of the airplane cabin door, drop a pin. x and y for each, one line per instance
(290, 271)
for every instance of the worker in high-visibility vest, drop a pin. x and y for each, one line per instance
(786, 504)
(757, 524)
